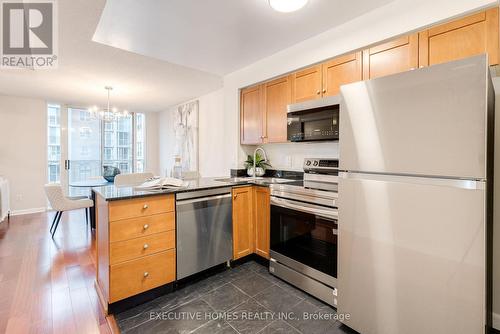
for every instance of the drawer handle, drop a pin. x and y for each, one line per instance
(146, 246)
(145, 206)
(146, 274)
(146, 226)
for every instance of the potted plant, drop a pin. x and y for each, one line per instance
(260, 165)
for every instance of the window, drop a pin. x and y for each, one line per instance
(123, 153)
(84, 151)
(123, 138)
(85, 132)
(84, 116)
(93, 143)
(139, 142)
(108, 153)
(54, 172)
(85, 171)
(54, 143)
(108, 126)
(54, 153)
(124, 167)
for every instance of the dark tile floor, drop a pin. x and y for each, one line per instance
(244, 299)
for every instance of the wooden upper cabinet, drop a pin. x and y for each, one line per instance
(466, 37)
(262, 204)
(277, 95)
(340, 71)
(243, 228)
(396, 56)
(251, 115)
(306, 84)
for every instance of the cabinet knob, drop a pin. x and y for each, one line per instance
(324, 90)
(235, 196)
(145, 206)
(146, 226)
(318, 92)
(146, 274)
(146, 246)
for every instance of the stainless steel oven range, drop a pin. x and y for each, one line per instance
(304, 230)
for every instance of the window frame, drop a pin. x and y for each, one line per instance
(63, 149)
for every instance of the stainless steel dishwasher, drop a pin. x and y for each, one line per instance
(204, 230)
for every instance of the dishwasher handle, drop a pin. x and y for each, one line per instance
(202, 199)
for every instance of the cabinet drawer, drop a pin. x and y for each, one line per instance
(135, 248)
(140, 227)
(136, 276)
(140, 207)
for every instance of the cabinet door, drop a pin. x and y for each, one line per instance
(396, 56)
(243, 230)
(341, 71)
(277, 96)
(251, 115)
(469, 36)
(262, 205)
(306, 84)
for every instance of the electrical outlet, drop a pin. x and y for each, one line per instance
(19, 197)
(288, 161)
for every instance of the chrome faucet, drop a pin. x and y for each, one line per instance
(255, 158)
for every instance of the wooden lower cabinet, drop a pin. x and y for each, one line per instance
(262, 214)
(243, 235)
(133, 277)
(135, 246)
(251, 221)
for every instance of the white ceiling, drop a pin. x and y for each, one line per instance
(218, 36)
(140, 83)
(164, 52)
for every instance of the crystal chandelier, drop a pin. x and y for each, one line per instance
(109, 113)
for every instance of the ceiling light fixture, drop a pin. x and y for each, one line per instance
(287, 6)
(108, 114)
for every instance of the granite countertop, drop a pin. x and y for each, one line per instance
(112, 192)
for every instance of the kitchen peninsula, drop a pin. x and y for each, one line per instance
(136, 234)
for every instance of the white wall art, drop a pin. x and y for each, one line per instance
(186, 135)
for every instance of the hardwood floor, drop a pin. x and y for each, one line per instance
(47, 285)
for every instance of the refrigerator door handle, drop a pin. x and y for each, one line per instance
(468, 184)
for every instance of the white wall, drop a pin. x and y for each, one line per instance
(23, 151)
(152, 143)
(396, 18)
(211, 137)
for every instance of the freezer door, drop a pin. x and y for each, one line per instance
(431, 121)
(411, 255)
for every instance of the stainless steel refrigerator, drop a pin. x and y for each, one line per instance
(415, 201)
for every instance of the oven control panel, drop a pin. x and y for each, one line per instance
(321, 166)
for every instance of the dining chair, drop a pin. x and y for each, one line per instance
(60, 203)
(133, 179)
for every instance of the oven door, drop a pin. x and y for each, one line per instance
(304, 236)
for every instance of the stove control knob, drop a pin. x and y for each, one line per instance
(308, 163)
(315, 164)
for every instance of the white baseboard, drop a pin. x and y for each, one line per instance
(27, 211)
(496, 321)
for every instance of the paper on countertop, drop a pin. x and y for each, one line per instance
(163, 183)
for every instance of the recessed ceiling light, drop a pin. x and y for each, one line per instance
(287, 6)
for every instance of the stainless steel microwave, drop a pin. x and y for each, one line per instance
(316, 120)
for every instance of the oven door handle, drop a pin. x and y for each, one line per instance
(312, 209)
